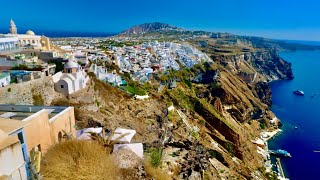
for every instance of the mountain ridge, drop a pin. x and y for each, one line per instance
(149, 27)
(168, 30)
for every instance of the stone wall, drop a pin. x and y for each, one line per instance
(22, 93)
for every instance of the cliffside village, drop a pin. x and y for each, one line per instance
(27, 131)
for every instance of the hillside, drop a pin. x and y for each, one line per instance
(163, 31)
(149, 27)
(226, 110)
(203, 127)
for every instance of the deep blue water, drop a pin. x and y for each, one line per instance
(57, 34)
(312, 43)
(303, 112)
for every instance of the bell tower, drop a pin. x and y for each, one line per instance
(13, 27)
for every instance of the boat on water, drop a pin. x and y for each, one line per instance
(280, 152)
(298, 92)
(316, 151)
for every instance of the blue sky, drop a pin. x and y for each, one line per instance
(282, 19)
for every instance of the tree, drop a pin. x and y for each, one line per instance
(20, 67)
(59, 65)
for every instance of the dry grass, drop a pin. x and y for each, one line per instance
(155, 173)
(78, 160)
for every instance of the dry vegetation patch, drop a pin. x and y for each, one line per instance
(78, 160)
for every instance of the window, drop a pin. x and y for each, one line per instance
(62, 86)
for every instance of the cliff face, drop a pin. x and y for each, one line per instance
(257, 66)
(231, 109)
(270, 65)
(219, 104)
(262, 90)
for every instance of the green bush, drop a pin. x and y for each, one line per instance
(14, 80)
(98, 103)
(230, 148)
(156, 157)
(213, 153)
(262, 125)
(136, 90)
(194, 134)
(188, 83)
(9, 89)
(59, 65)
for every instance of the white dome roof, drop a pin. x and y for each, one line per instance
(71, 64)
(31, 33)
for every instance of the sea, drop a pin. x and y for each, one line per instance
(62, 34)
(300, 116)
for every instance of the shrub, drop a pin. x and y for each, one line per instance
(59, 65)
(213, 153)
(262, 125)
(230, 148)
(20, 67)
(60, 102)
(97, 103)
(194, 134)
(156, 157)
(14, 80)
(155, 172)
(271, 176)
(136, 90)
(202, 122)
(188, 83)
(37, 100)
(74, 160)
(9, 89)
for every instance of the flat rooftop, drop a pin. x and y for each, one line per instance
(21, 112)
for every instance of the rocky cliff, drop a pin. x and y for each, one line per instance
(257, 66)
(218, 114)
(228, 112)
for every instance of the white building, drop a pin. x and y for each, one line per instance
(73, 79)
(8, 44)
(28, 39)
(103, 75)
(4, 79)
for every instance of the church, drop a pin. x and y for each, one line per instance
(29, 40)
(71, 80)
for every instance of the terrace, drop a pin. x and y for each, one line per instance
(22, 112)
